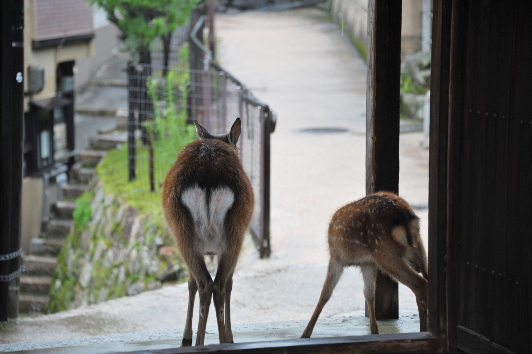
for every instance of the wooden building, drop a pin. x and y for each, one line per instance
(480, 181)
(481, 176)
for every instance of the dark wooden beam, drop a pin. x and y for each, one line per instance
(383, 343)
(211, 9)
(382, 121)
(439, 111)
(457, 74)
(11, 150)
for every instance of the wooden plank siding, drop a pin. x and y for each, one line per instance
(489, 209)
(518, 309)
(456, 79)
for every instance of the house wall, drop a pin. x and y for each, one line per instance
(49, 57)
(49, 20)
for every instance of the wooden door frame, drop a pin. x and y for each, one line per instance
(438, 166)
(382, 164)
(435, 340)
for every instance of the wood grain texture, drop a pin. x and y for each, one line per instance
(382, 343)
(382, 121)
(439, 110)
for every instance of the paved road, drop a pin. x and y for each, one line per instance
(310, 74)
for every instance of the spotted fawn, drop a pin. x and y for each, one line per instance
(377, 232)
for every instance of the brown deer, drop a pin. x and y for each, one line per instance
(377, 232)
(208, 204)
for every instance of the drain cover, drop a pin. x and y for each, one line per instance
(323, 130)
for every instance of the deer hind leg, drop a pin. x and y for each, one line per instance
(334, 272)
(418, 260)
(198, 271)
(187, 333)
(221, 294)
(399, 268)
(369, 274)
(418, 257)
(228, 332)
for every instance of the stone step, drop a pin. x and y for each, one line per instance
(38, 265)
(59, 228)
(45, 246)
(72, 191)
(81, 174)
(95, 111)
(107, 141)
(90, 158)
(122, 118)
(35, 285)
(63, 209)
(32, 303)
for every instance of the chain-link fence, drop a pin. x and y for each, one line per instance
(165, 99)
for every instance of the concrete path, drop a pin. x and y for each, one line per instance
(312, 77)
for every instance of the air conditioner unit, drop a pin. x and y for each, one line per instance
(35, 78)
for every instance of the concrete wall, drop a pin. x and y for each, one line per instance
(106, 39)
(31, 211)
(353, 15)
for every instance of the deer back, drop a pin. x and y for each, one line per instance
(207, 191)
(377, 221)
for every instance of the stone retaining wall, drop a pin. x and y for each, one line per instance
(119, 252)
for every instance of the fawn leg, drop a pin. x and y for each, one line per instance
(400, 269)
(369, 274)
(187, 333)
(334, 272)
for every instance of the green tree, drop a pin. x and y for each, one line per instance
(142, 21)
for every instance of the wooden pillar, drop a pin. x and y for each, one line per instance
(382, 122)
(439, 112)
(196, 62)
(11, 145)
(211, 9)
(457, 74)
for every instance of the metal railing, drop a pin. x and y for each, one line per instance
(224, 98)
(215, 98)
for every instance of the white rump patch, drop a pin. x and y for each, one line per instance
(399, 235)
(209, 219)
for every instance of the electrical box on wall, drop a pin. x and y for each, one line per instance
(35, 78)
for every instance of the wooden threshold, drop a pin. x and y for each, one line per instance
(379, 343)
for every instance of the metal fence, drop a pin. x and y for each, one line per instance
(215, 98)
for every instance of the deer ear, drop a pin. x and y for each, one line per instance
(202, 132)
(234, 134)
